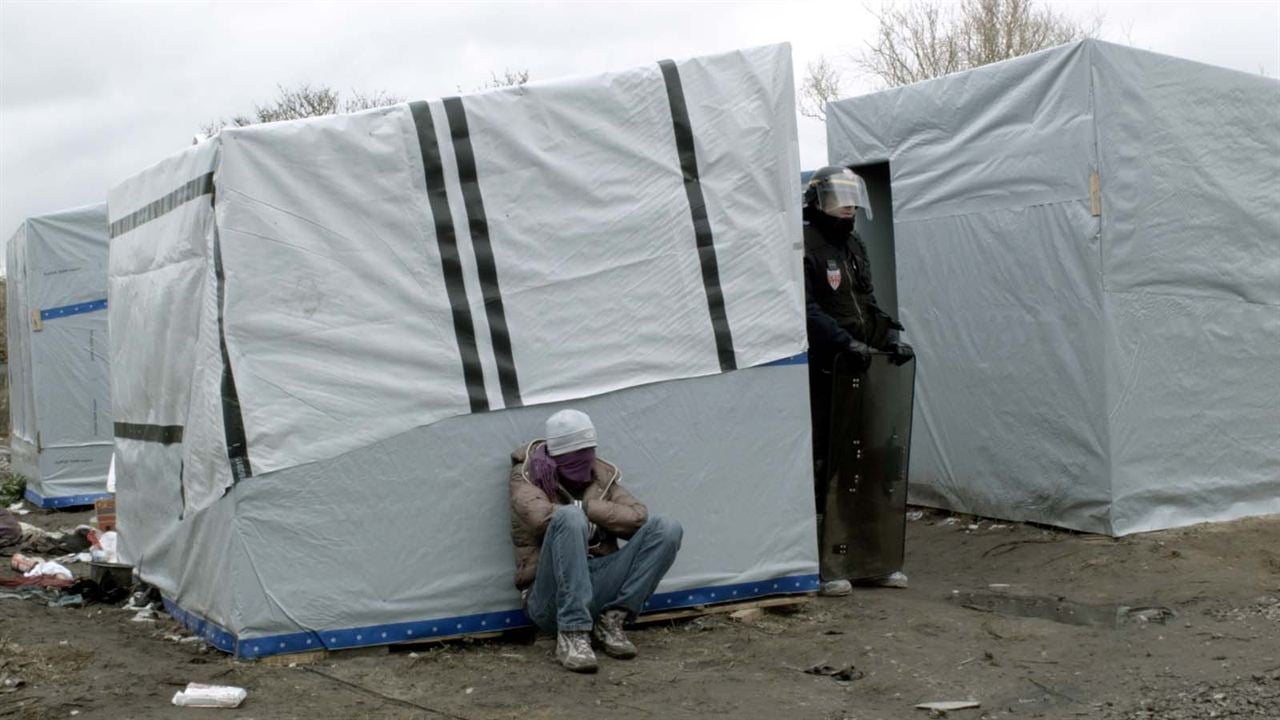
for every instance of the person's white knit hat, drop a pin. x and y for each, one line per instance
(569, 430)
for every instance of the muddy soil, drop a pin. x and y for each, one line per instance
(1028, 621)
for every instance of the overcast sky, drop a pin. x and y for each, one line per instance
(92, 92)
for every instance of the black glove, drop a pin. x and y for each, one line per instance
(902, 353)
(859, 355)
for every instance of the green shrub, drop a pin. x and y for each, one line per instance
(12, 488)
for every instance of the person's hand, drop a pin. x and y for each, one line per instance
(902, 354)
(859, 354)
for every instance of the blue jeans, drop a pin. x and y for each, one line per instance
(572, 589)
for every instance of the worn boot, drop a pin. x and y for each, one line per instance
(608, 632)
(894, 580)
(835, 588)
(573, 650)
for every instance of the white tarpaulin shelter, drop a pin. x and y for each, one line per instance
(59, 389)
(339, 328)
(1105, 359)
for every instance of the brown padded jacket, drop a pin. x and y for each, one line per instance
(609, 507)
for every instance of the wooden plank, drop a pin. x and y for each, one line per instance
(431, 641)
(697, 610)
(306, 657)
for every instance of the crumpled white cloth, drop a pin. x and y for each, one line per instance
(50, 568)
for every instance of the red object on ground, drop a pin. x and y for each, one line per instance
(38, 581)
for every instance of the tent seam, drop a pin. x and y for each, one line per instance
(988, 211)
(1108, 461)
(1187, 296)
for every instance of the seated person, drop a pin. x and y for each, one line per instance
(568, 511)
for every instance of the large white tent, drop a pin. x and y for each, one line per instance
(59, 389)
(339, 328)
(1088, 264)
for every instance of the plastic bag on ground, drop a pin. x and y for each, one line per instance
(212, 696)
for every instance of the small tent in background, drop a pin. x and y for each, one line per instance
(59, 389)
(1088, 264)
(339, 328)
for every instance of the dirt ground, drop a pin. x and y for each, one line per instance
(960, 632)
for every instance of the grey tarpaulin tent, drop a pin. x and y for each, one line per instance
(1088, 264)
(59, 391)
(339, 328)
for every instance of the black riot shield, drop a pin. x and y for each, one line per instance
(864, 525)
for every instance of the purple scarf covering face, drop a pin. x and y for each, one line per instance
(572, 469)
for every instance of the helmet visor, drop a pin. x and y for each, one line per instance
(843, 190)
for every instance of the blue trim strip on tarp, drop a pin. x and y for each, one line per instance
(212, 633)
(64, 501)
(77, 309)
(801, 359)
(249, 648)
(731, 593)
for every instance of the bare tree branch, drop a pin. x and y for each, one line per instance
(925, 39)
(820, 85)
(508, 78)
(303, 101)
(367, 101)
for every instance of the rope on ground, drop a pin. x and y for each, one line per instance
(1012, 545)
(388, 698)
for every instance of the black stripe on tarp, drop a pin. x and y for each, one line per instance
(698, 208)
(163, 434)
(191, 190)
(232, 416)
(485, 265)
(450, 261)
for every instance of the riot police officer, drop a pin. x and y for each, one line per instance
(842, 313)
